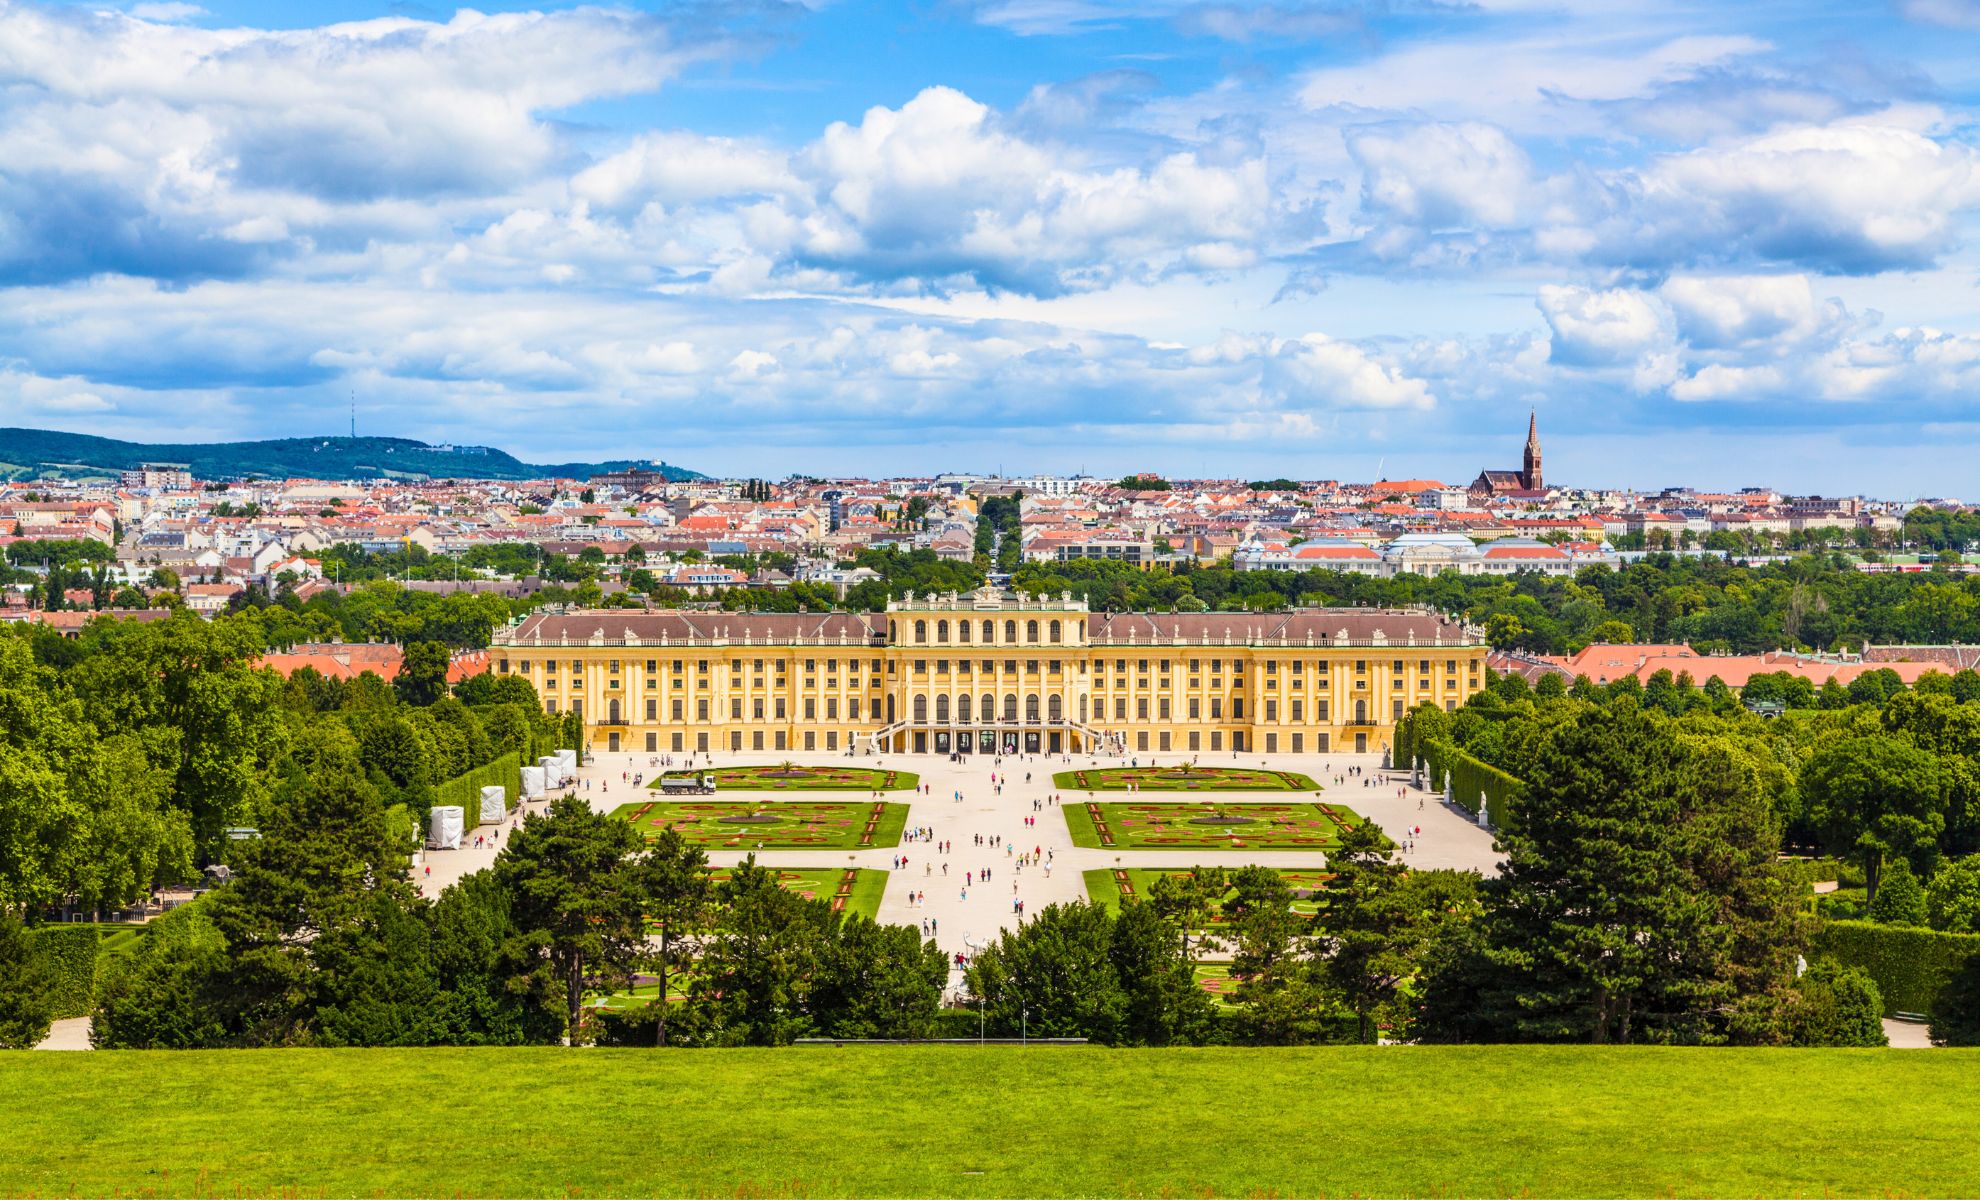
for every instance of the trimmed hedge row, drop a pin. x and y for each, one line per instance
(1470, 780)
(465, 790)
(68, 956)
(1909, 964)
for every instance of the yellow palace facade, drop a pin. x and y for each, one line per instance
(989, 671)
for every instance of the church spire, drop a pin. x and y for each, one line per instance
(1532, 464)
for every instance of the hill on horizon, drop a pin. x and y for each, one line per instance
(39, 453)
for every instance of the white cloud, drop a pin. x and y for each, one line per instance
(1601, 328)
(1438, 175)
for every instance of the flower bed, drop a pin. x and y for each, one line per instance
(797, 778)
(1184, 779)
(792, 825)
(1105, 825)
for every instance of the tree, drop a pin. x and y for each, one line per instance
(673, 879)
(1952, 899)
(1592, 931)
(575, 894)
(25, 1010)
(1052, 976)
(1370, 951)
(1900, 897)
(1161, 1002)
(877, 981)
(753, 984)
(1871, 797)
(1186, 899)
(422, 678)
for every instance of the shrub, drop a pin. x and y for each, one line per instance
(25, 1010)
(1956, 1014)
(68, 962)
(1910, 966)
(1835, 1005)
(1900, 897)
(1952, 899)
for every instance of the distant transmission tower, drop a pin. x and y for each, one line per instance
(354, 416)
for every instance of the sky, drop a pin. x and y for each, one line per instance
(1709, 244)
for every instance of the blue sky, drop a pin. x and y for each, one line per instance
(1710, 244)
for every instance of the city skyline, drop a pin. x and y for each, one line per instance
(1713, 248)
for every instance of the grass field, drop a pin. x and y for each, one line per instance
(1184, 779)
(772, 824)
(1108, 887)
(1180, 825)
(993, 1121)
(798, 777)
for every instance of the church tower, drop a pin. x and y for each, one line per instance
(1532, 471)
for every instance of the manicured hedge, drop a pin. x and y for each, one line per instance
(68, 952)
(465, 790)
(1909, 964)
(1470, 780)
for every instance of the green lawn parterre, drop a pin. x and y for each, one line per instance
(798, 777)
(798, 825)
(1184, 779)
(1173, 825)
(993, 1121)
(1110, 887)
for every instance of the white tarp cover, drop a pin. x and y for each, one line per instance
(569, 759)
(443, 828)
(494, 803)
(532, 782)
(553, 770)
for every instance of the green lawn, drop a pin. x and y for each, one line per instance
(993, 1121)
(1109, 887)
(1178, 825)
(790, 825)
(798, 777)
(1152, 778)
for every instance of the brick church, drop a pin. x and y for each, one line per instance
(1525, 481)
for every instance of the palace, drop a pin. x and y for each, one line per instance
(991, 671)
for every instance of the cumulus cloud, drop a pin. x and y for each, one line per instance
(1856, 196)
(1601, 328)
(134, 145)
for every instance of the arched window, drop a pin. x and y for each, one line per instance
(1054, 709)
(989, 632)
(962, 704)
(1010, 631)
(941, 631)
(890, 710)
(1031, 632)
(920, 709)
(962, 631)
(1010, 706)
(1056, 631)
(613, 713)
(1082, 710)
(989, 709)
(921, 631)
(1031, 709)
(1361, 712)
(941, 710)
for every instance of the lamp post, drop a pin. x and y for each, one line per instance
(1024, 1025)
